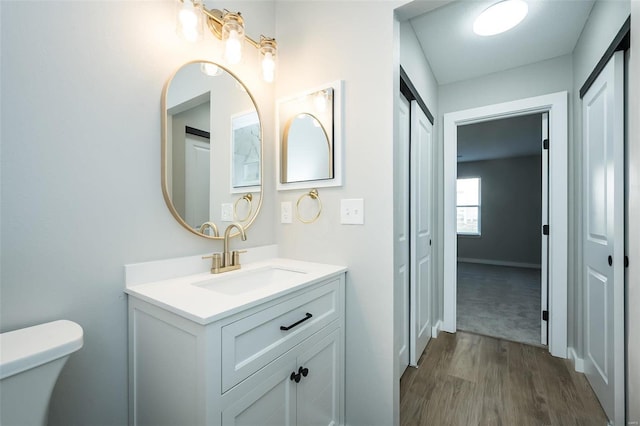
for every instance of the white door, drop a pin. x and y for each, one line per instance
(603, 239)
(318, 392)
(401, 237)
(197, 177)
(420, 230)
(544, 261)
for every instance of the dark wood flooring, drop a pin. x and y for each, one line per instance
(467, 379)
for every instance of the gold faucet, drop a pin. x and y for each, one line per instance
(211, 225)
(228, 261)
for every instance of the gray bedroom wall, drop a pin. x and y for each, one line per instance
(511, 193)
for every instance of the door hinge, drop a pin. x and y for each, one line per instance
(545, 315)
(626, 261)
(545, 144)
(545, 229)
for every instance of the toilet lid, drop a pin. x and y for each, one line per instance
(30, 347)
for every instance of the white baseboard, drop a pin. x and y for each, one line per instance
(578, 363)
(500, 263)
(436, 329)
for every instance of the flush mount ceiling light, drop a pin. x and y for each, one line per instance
(228, 27)
(500, 17)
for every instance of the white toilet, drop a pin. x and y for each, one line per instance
(30, 361)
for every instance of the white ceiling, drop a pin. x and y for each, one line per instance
(455, 53)
(504, 138)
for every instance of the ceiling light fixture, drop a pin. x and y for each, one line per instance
(500, 17)
(228, 27)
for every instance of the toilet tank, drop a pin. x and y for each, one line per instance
(30, 361)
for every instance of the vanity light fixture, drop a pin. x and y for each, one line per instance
(500, 17)
(189, 22)
(232, 36)
(268, 50)
(229, 28)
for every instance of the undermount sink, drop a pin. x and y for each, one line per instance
(245, 281)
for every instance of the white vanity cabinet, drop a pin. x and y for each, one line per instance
(278, 362)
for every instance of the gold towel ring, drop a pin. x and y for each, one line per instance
(248, 198)
(313, 194)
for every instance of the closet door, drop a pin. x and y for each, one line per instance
(401, 236)
(603, 238)
(421, 205)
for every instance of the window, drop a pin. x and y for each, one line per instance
(468, 206)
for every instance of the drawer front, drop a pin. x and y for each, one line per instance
(254, 341)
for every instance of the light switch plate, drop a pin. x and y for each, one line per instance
(352, 211)
(286, 212)
(226, 212)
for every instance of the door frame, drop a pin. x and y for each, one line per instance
(556, 104)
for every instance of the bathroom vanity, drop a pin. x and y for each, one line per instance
(260, 346)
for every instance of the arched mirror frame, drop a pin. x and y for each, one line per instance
(164, 158)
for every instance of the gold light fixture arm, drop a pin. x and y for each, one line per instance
(215, 19)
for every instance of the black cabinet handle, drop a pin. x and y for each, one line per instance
(610, 260)
(303, 371)
(295, 377)
(306, 317)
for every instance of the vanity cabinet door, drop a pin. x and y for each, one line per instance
(263, 401)
(318, 394)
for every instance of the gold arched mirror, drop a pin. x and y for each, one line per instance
(211, 149)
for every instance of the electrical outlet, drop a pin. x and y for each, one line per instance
(226, 213)
(352, 211)
(286, 211)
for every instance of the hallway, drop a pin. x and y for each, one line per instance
(468, 379)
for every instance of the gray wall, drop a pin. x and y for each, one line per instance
(511, 208)
(320, 42)
(81, 85)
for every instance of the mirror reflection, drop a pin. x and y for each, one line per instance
(307, 137)
(211, 148)
(308, 150)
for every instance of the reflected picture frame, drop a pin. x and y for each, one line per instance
(245, 152)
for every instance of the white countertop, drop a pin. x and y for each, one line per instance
(188, 297)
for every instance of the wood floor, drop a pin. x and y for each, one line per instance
(468, 379)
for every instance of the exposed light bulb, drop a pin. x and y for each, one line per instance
(210, 69)
(268, 67)
(268, 51)
(320, 101)
(500, 17)
(189, 23)
(233, 48)
(233, 36)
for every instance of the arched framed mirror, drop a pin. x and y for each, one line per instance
(211, 149)
(310, 139)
